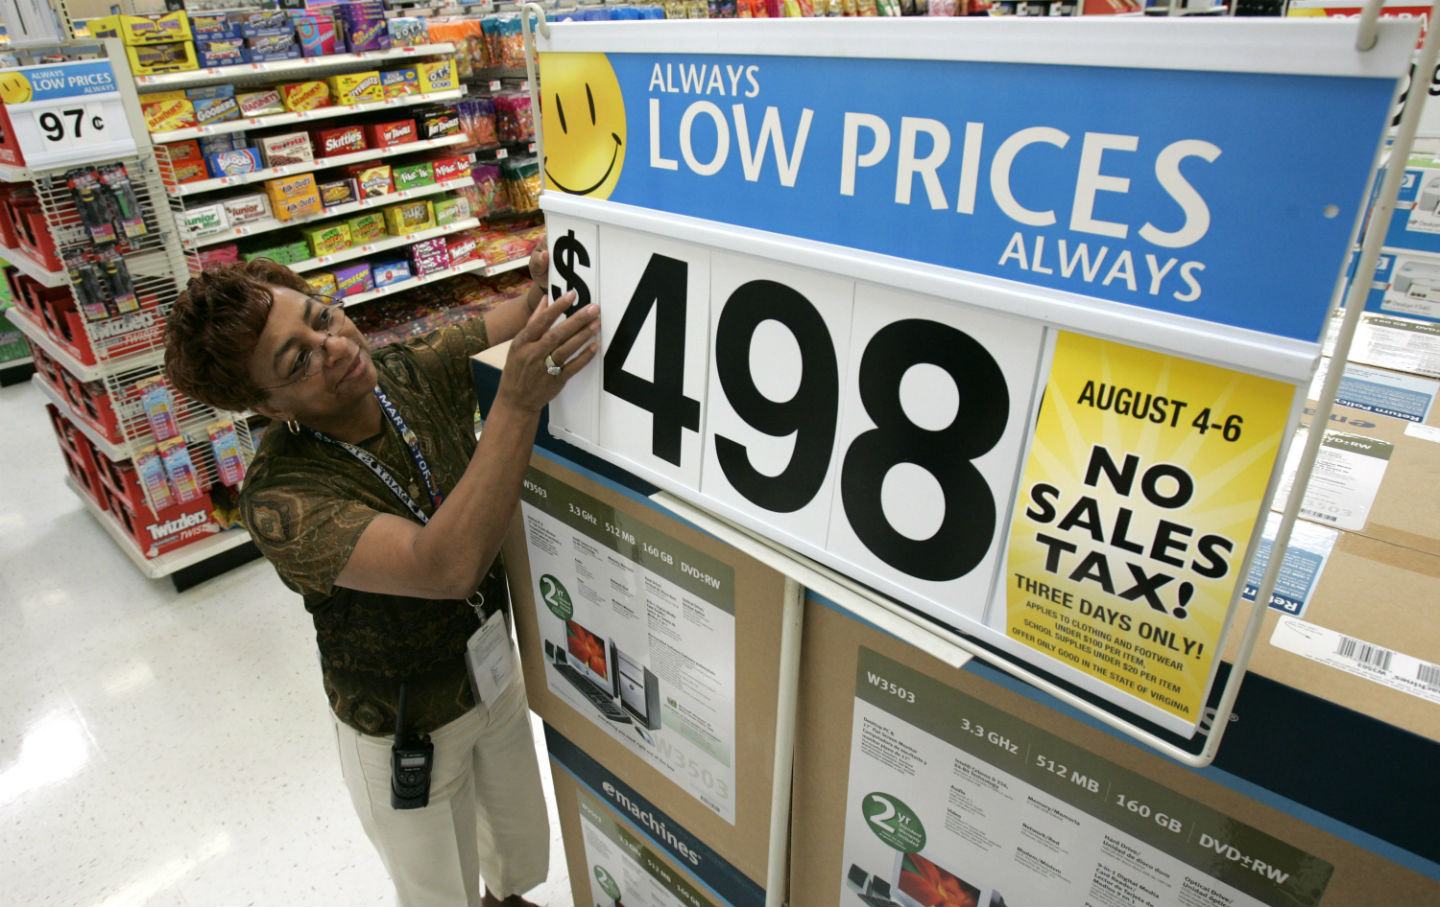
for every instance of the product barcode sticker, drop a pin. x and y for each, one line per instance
(1356, 656)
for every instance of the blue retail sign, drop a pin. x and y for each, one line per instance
(1171, 190)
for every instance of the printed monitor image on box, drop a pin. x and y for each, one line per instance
(642, 639)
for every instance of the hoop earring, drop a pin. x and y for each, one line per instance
(294, 426)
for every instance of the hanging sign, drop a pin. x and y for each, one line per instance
(65, 113)
(855, 279)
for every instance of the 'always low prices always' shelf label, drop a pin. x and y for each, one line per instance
(939, 339)
(66, 113)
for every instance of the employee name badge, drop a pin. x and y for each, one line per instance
(490, 659)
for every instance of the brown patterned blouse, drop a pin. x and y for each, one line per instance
(306, 503)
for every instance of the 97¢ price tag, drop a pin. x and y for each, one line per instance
(72, 126)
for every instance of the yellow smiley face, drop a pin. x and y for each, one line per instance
(582, 114)
(14, 88)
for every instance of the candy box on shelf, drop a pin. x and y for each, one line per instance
(374, 180)
(293, 196)
(461, 248)
(187, 163)
(327, 239)
(214, 105)
(228, 141)
(390, 271)
(233, 163)
(156, 28)
(397, 83)
(167, 110)
(390, 134)
(450, 167)
(366, 35)
(338, 192)
(205, 219)
(451, 208)
(287, 148)
(429, 256)
(437, 122)
(366, 227)
(440, 76)
(322, 283)
(262, 103)
(409, 217)
(222, 52)
(268, 48)
(78, 452)
(317, 36)
(412, 176)
(156, 59)
(299, 96)
(213, 27)
(262, 23)
(342, 140)
(171, 529)
(356, 87)
(243, 209)
(351, 279)
(408, 31)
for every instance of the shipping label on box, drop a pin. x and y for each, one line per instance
(300, 96)
(346, 140)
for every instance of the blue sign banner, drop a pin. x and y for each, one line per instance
(1174, 191)
(57, 81)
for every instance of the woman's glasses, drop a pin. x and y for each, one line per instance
(309, 361)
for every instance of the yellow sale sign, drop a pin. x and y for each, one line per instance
(1143, 485)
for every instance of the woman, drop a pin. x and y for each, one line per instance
(372, 499)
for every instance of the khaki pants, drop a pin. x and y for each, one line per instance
(486, 817)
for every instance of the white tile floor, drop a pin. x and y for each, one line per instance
(160, 747)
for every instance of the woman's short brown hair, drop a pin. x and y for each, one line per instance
(214, 326)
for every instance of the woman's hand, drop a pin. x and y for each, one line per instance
(526, 382)
(539, 275)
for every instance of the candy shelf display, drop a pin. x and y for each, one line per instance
(94, 257)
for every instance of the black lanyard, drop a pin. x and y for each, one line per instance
(375, 466)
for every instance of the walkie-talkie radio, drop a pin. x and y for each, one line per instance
(410, 760)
